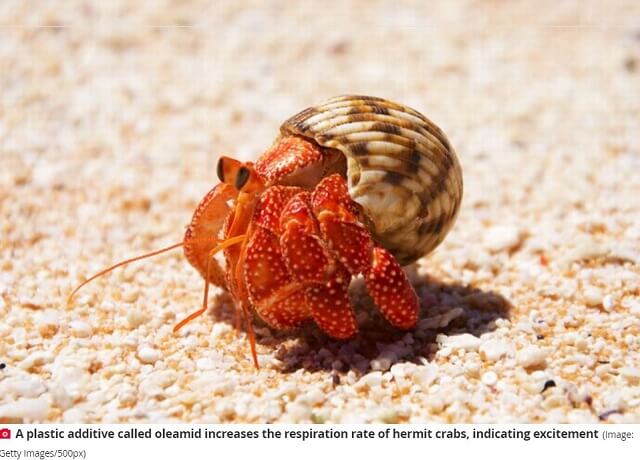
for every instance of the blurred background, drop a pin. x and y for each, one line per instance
(125, 106)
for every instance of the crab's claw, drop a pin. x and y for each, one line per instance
(352, 243)
(204, 232)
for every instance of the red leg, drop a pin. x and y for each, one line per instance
(263, 213)
(391, 290)
(311, 264)
(277, 298)
(350, 240)
(331, 308)
(276, 295)
(336, 214)
(304, 252)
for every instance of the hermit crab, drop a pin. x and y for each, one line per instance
(355, 186)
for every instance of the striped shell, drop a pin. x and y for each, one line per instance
(401, 168)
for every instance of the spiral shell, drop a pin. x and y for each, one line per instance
(401, 168)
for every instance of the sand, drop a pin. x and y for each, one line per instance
(113, 115)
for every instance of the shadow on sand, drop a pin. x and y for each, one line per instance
(448, 309)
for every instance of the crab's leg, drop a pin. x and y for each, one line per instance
(312, 265)
(276, 297)
(391, 290)
(274, 293)
(351, 242)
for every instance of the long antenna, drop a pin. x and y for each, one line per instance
(120, 264)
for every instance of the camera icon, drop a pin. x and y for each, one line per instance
(5, 433)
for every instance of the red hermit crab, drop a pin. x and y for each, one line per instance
(355, 186)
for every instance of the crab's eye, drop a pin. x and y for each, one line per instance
(220, 169)
(242, 177)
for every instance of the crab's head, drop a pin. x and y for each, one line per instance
(224, 212)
